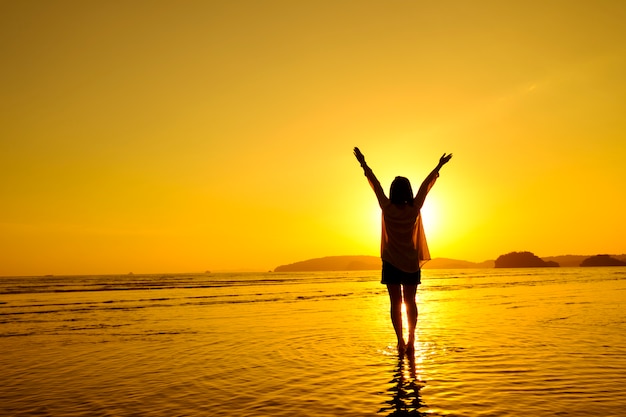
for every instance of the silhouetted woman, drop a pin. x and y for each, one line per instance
(403, 244)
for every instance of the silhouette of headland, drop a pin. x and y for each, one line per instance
(333, 263)
(602, 260)
(367, 263)
(510, 260)
(523, 260)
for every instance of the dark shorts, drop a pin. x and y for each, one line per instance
(393, 275)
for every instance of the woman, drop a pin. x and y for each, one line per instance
(403, 244)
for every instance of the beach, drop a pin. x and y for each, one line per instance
(491, 342)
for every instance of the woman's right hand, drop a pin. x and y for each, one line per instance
(359, 156)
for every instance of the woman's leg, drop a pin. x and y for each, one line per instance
(395, 298)
(408, 294)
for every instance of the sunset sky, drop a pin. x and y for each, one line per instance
(184, 136)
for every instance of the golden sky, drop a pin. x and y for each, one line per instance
(183, 136)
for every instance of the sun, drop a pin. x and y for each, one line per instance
(430, 216)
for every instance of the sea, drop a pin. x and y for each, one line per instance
(490, 342)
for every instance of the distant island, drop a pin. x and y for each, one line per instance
(365, 263)
(602, 260)
(523, 260)
(509, 260)
(333, 263)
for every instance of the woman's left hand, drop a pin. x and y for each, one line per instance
(444, 159)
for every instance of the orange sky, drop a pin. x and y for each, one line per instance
(161, 136)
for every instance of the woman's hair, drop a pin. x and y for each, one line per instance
(401, 191)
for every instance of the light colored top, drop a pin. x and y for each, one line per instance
(403, 241)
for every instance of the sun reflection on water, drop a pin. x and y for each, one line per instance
(405, 389)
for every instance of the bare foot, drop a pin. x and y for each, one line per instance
(410, 350)
(401, 348)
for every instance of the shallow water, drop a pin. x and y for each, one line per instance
(496, 342)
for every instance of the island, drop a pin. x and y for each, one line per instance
(522, 260)
(510, 260)
(366, 263)
(602, 260)
(333, 263)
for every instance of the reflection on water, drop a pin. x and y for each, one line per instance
(491, 342)
(405, 390)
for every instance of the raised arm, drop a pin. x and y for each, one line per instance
(369, 174)
(430, 181)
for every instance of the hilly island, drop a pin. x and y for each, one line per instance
(509, 260)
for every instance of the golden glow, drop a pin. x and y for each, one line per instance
(213, 136)
(431, 218)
